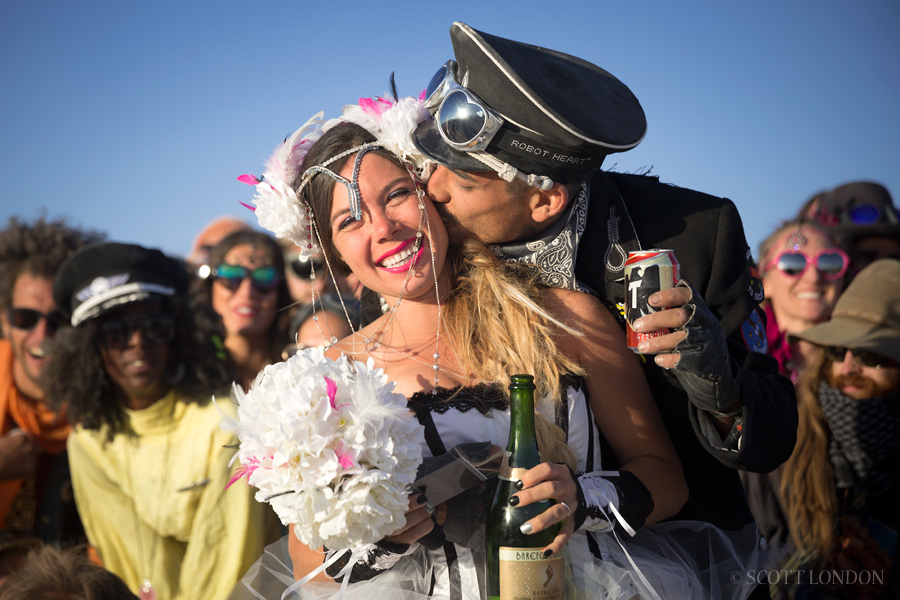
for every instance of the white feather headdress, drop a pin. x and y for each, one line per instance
(277, 206)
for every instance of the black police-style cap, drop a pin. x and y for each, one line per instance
(854, 209)
(105, 276)
(562, 115)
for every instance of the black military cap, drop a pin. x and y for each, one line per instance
(102, 277)
(561, 115)
(855, 209)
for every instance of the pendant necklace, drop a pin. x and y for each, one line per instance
(147, 591)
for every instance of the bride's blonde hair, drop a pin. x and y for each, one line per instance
(499, 325)
(495, 314)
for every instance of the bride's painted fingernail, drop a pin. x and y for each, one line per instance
(547, 553)
(514, 501)
(519, 484)
(526, 528)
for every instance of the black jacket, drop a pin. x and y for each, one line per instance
(708, 239)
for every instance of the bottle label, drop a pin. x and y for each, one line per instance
(508, 473)
(525, 575)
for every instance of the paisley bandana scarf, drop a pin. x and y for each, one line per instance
(556, 249)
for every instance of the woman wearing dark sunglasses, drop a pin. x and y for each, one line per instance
(802, 270)
(149, 461)
(247, 289)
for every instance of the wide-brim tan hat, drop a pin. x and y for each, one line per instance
(867, 315)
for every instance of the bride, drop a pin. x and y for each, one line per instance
(456, 323)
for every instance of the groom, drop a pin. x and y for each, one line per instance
(520, 133)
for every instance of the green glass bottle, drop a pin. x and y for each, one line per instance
(515, 567)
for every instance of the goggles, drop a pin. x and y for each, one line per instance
(859, 214)
(155, 329)
(27, 319)
(863, 358)
(304, 267)
(262, 279)
(831, 263)
(463, 120)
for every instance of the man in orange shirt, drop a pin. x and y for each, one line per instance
(35, 496)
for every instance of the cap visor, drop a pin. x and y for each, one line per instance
(858, 334)
(430, 143)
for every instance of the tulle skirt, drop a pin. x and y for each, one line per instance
(680, 560)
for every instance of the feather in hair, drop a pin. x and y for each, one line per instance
(288, 157)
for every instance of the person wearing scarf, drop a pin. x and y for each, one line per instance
(838, 493)
(35, 491)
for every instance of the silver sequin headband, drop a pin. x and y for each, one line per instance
(352, 184)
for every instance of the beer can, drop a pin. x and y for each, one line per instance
(647, 272)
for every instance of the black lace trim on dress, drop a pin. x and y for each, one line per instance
(482, 397)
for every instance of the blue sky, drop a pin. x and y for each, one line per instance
(135, 118)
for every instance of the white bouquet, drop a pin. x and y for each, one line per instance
(330, 447)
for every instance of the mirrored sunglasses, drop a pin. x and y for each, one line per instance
(831, 263)
(155, 329)
(262, 279)
(27, 319)
(305, 267)
(463, 120)
(863, 357)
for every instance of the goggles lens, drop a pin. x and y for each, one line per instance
(832, 264)
(27, 319)
(461, 121)
(862, 357)
(443, 74)
(262, 279)
(156, 329)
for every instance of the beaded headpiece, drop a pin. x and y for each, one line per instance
(796, 241)
(352, 184)
(282, 211)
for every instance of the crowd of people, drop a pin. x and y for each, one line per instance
(453, 248)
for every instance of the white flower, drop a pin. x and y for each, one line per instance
(330, 447)
(277, 207)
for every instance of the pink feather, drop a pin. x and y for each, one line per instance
(243, 471)
(376, 106)
(248, 179)
(245, 205)
(343, 457)
(332, 391)
(285, 161)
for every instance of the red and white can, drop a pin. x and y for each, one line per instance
(647, 272)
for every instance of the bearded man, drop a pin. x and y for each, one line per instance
(837, 496)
